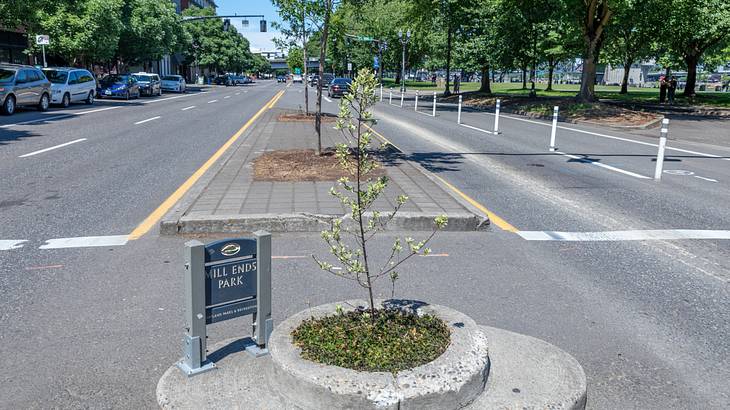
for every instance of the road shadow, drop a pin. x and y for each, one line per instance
(8, 136)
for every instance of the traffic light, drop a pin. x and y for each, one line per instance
(226, 24)
(263, 26)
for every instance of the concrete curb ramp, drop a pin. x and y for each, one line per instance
(305, 222)
(521, 373)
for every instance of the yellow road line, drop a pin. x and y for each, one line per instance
(493, 218)
(161, 210)
(276, 99)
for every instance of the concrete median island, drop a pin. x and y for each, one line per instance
(231, 197)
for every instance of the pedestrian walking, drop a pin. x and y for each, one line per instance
(662, 89)
(457, 83)
(672, 89)
(433, 80)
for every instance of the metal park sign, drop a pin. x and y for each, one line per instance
(224, 280)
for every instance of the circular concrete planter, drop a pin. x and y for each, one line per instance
(452, 381)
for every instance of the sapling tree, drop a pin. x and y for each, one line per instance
(357, 191)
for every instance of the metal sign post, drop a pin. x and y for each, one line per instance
(43, 40)
(224, 280)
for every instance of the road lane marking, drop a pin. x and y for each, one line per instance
(161, 210)
(212, 101)
(30, 154)
(147, 120)
(238, 93)
(188, 108)
(96, 110)
(604, 166)
(227, 96)
(8, 244)
(43, 267)
(290, 257)
(276, 99)
(173, 98)
(493, 218)
(85, 242)
(55, 117)
(706, 179)
(597, 134)
(478, 129)
(635, 235)
(328, 100)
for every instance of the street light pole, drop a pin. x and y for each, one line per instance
(404, 41)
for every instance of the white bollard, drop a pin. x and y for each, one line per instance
(434, 104)
(381, 92)
(458, 116)
(555, 128)
(496, 117)
(662, 144)
(401, 99)
(416, 107)
(390, 96)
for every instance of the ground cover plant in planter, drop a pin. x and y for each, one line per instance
(372, 338)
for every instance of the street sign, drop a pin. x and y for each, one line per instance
(297, 70)
(349, 66)
(42, 39)
(224, 280)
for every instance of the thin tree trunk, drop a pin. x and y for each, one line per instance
(689, 87)
(304, 55)
(524, 77)
(322, 54)
(551, 70)
(447, 92)
(485, 86)
(625, 81)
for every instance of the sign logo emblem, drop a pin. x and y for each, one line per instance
(230, 249)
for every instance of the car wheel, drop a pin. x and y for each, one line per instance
(8, 107)
(90, 98)
(66, 100)
(43, 103)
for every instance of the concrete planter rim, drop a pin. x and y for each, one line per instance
(453, 380)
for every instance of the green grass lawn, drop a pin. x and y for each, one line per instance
(638, 95)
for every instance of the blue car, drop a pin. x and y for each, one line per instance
(118, 85)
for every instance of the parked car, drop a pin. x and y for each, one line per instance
(339, 87)
(22, 85)
(297, 78)
(118, 85)
(70, 85)
(149, 83)
(173, 83)
(313, 79)
(223, 80)
(238, 80)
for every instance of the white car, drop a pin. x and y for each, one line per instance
(71, 85)
(297, 78)
(173, 83)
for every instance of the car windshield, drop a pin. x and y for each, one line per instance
(6, 76)
(146, 78)
(170, 78)
(56, 76)
(114, 79)
(346, 81)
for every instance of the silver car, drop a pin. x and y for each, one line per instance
(173, 83)
(22, 85)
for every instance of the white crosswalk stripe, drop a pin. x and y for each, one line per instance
(8, 244)
(638, 235)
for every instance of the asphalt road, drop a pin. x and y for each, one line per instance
(95, 327)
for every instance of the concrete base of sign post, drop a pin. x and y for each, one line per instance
(519, 372)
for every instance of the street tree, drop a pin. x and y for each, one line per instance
(630, 35)
(691, 28)
(593, 17)
(152, 29)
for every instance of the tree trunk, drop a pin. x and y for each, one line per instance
(322, 54)
(551, 70)
(447, 92)
(485, 86)
(524, 77)
(588, 76)
(689, 87)
(625, 81)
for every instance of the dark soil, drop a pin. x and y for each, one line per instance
(302, 117)
(299, 165)
(393, 341)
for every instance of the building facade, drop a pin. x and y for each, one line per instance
(12, 47)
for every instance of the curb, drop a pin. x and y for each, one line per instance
(650, 124)
(525, 372)
(306, 222)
